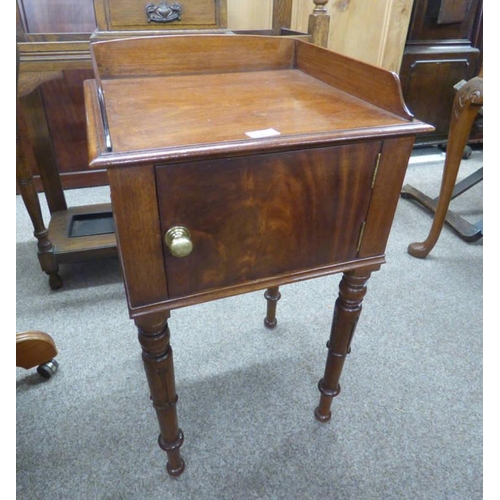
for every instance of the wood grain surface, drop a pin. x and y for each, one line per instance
(253, 219)
(187, 110)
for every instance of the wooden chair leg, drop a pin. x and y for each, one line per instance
(29, 195)
(466, 106)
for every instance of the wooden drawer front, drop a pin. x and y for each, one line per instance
(131, 15)
(261, 216)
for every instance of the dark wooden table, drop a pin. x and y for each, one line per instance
(239, 163)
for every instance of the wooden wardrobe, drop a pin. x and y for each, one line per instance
(443, 47)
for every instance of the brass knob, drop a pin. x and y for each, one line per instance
(178, 241)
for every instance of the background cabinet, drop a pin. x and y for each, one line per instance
(444, 46)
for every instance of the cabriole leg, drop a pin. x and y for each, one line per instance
(154, 337)
(352, 289)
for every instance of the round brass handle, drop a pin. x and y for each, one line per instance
(178, 241)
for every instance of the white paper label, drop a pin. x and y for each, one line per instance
(258, 134)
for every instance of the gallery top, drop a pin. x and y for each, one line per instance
(170, 98)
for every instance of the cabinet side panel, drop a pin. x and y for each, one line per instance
(367, 82)
(390, 176)
(133, 195)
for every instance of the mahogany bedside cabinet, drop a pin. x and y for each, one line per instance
(239, 163)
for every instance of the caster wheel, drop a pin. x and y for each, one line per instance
(49, 369)
(467, 153)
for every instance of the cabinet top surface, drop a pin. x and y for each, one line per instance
(179, 97)
(189, 110)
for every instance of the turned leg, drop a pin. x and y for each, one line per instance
(154, 337)
(352, 289)
(466, 106)
(29, 195)
(272, 296)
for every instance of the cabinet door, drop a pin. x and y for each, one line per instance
(262, 216)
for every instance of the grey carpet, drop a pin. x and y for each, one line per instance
(407, 425)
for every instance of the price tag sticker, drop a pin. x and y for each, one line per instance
(259, 134)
